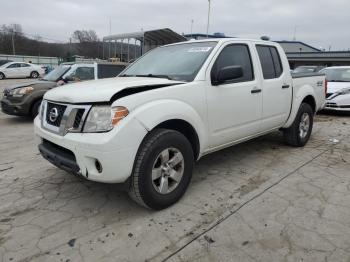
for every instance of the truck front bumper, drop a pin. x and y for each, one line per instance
(104, 157)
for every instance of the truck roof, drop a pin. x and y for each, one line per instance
(228, 39)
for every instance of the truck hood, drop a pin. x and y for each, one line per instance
(337, 86)
(103, 90)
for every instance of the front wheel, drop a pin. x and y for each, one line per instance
(162, 169)
(35, 109)
(2, 76)
(300, 131)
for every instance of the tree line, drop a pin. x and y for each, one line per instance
(82, 43)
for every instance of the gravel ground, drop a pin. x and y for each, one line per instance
(258, 201)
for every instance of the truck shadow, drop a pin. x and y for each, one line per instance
(233, 163)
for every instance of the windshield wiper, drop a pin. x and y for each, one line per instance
(148, 75)
(155, 76)
(125, 75)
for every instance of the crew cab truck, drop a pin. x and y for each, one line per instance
(175, 104)
(24, 99)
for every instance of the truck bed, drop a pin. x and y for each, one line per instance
(299, 75)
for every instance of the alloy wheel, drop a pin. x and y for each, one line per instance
(304, 125)
(167, 171)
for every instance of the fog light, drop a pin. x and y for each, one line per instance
(98, 166)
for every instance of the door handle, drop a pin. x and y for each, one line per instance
(285, 86)
(254, 91)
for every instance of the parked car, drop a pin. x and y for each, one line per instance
(307, 69)
(2, 62)
(25, 99)
(338, 88)
(172, 106)
(21, 70)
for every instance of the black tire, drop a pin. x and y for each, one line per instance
(35, 109)
(2, 76)
(293, 135)
(142, 188)
(34, 74)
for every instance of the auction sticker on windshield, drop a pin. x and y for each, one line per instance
(199, 49)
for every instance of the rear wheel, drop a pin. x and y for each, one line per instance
(162, 169)
(2, 76)
(299, 132)
(34, 74)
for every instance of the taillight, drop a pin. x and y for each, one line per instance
(325, 87)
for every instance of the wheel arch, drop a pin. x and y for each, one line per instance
(33, 103)
(184, 128)
(304, 95)
(309, 99)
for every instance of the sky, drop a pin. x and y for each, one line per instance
(320, 23)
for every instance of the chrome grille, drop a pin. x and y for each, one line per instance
(60, 109)
(78, 117)
(331, 104)
(62, 118)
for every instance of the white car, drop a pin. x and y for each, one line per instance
(177, 103)
(20, 70)
(338, 88)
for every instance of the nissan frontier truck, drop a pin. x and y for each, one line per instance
(148, 126)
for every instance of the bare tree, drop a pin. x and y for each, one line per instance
(83, 36)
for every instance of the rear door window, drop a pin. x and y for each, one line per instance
(276, 61)
(270, 61)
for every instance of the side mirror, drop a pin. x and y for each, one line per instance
(226, 74)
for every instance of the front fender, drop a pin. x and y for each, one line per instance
(299, 96)
(156, 112)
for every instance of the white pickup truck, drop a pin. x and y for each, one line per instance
(177, 103)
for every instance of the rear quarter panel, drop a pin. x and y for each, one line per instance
(304, 86)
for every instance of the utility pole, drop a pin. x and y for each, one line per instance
(109, 43)
(208, 19)
(295, 32)
(13, 43)
(191, 27)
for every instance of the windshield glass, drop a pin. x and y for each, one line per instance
(177, 62)
(6, 64)
(337, 74)
(57, 73)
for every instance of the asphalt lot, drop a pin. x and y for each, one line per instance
(258, 201)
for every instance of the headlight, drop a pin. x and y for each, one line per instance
(22, 91)
(104, 118)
